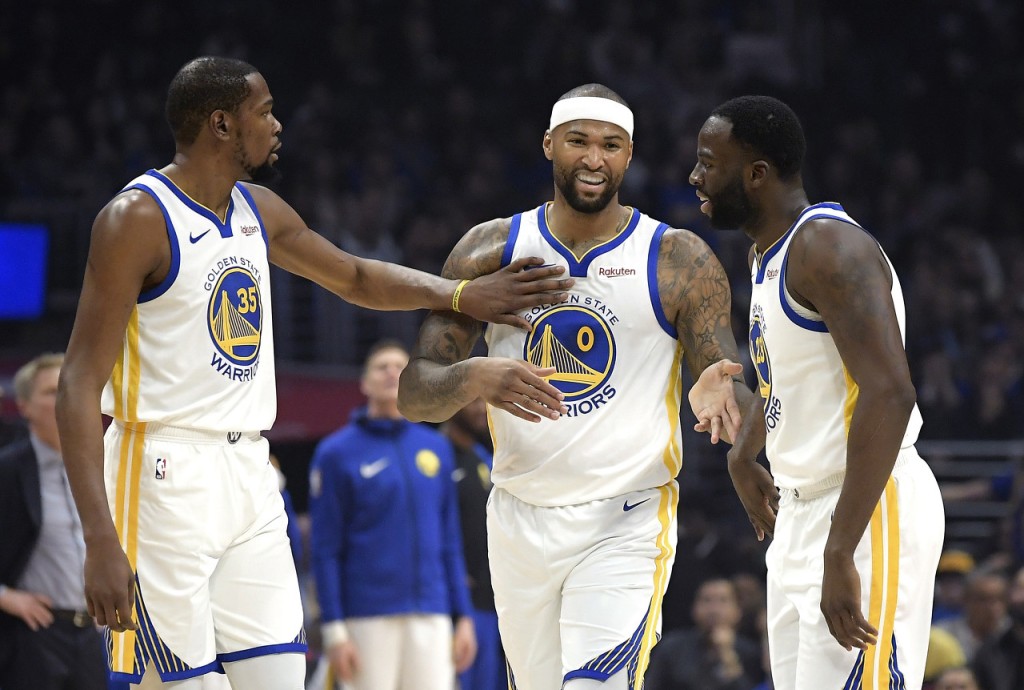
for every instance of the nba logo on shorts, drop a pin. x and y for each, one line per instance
(161, 468)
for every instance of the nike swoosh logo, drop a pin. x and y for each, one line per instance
(370, 470)
(193, 238)
(626, 507)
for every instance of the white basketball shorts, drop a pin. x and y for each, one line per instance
(896, 560)
(578, 589)
(201, 519)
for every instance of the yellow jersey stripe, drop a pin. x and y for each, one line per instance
(133, 367)
(662, 567)
(673, 457)
(117, 380)
(852, 392)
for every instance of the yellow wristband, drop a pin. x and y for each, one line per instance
(458, 293)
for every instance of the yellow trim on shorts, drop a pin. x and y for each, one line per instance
(126, 507)
(885, 577)
(669, 503)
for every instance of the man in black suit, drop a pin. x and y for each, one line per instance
(48, 641)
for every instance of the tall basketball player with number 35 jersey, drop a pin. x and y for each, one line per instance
(584, 408)
(188, 562)
(858, 526)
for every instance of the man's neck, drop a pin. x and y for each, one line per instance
(574, 228)
(204, 183)
(777, 218)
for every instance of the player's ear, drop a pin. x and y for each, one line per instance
(758, 173)
(219, 123)
(548, 145)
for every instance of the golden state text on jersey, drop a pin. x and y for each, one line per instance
(579, 342)
(235, 317)
(617, 361)
(198, 351)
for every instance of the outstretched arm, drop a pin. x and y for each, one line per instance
(839, 271)
(441, 378)
(493, 295)
(696, 298)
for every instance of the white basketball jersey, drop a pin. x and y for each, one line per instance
(199, 348)
(618, 364)
(809, 396)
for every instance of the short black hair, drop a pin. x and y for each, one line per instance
(595, 91)
(768, 127)
(201, 86)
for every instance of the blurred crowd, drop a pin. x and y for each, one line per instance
(406, 122)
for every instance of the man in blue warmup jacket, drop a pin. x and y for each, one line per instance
(386, 545)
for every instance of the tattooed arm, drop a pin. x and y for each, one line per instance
(696, 298)
(441, 378)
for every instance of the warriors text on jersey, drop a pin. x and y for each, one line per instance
(198, 350)
(618, 364)
(809, 396)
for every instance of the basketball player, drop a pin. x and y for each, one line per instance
(860, 522)
(582, 520)
(174, 326)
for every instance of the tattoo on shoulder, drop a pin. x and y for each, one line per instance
(696, 298)
(479, 251)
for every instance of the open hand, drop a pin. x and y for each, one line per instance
(518, 387)
(713, 401)
(524, 283)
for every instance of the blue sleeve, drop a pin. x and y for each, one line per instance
(455, 564)
(327, 521)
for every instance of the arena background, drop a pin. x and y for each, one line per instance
(406, 122)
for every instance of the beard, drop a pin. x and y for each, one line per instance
(731, 209)
(565, 181)
(265, 174)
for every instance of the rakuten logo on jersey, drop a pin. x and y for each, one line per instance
(615, 272)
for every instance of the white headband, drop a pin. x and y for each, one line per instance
(592, 108)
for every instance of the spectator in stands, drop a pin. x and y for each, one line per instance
(950, 583)
(711, 655)
(984, 616)
(957, 678)
(999, 664)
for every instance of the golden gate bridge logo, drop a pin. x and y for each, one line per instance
(236, 316)
(578, 343)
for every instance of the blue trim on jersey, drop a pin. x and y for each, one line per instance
(223, 228)
(762, 261)
(510, 243)
(247, 195)
(172, 273)
(266, 650)
(578, 269)
(652, 281)
(801, 321)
